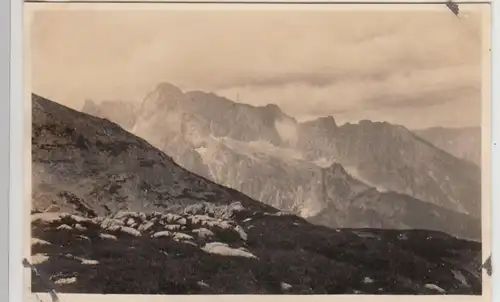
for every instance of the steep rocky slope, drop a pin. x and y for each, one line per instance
(178, 233)
(464, 143)
(324, 194)
(92, 165)
(269, 156)
(391, 157)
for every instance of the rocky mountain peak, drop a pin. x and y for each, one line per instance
(273, 108)
(167, 89)
(326, 123)
(163, 96)
(337, 170)
(88, 103)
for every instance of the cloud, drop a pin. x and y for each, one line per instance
(418, 88)
(307, 62)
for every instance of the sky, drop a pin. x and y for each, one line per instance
(415, 68)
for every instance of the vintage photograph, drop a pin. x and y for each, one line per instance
(306, 150)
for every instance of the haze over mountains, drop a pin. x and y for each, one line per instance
(110, 212)
(370, 174)
(463, 143)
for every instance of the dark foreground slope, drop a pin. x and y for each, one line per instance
(251, 254)
(184, 234)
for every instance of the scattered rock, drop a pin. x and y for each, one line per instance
(232, 210)
(224, 250)
(80, 219)
(285, 286)
(189, 242)
(130, 231)
(241, 232)
(46, 218)
(109, 223)
(199, 219)
(225, 225)
(107, 236)
(64, 227)
(402, 236)
(434, 287)
(63, 281)
(182, 237)
(39, 258)
(114, 228)
(84, 238)
(36, 241)
(170, 218)
(203, 233)
(162, 234)
(130, 222)
(202, 284)
(145, 226)
(125, 214)
(156, 215)
(142, 216)
(182, 221)
(460, 277)
(89, 262)
(80, 227)
(172, 227)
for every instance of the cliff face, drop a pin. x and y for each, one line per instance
(392, 158)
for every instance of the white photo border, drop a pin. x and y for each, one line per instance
(11, 157)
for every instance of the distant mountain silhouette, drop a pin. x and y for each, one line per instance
(463, 143)
(120, 112)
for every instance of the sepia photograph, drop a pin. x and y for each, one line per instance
(306, 150)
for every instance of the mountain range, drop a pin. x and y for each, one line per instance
(112, 214)
(369, 174)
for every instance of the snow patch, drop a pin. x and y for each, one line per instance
(309, 209)
(324, 162)
(353, 171)
(224, 250)
(39, 258)
(434, 287)
(89, 261)
(37, 241)
(253, 148)
(201, 150)
(65, 281)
